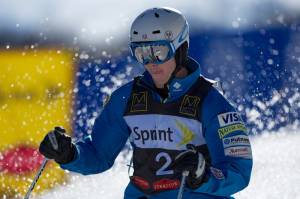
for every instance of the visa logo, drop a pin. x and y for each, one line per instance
(229, 118)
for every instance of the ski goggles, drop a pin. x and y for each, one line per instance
(156, 52)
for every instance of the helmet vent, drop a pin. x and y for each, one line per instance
(156, 15)
(156, 32)
(135, 32)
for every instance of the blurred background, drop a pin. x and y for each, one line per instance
(60, 59)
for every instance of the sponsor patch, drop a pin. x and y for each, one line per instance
(177, 87)
(139, 102)
(236, 141)
(229, 118)
(166, 184)
(217, 173)
(164, 131)
(145, 135)
(229, 129)
(239, 151)
(140, 182)
(189, 105)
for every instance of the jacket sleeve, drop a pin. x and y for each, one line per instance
(229, 147)
(97, 152)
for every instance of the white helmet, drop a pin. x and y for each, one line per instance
(160, 25)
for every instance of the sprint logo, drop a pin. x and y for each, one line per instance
(173, 133)
(153, 135)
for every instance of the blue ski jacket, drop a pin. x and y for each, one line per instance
(223, 129)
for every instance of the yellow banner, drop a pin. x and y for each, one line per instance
(35, 95)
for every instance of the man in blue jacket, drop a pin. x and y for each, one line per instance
(175, 119)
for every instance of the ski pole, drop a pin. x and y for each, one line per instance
(36, 177)
(53, 141)
(180, 192)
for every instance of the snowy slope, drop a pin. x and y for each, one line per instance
(276, 172)
(102, 21)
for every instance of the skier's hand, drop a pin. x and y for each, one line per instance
(193, 161)
(58, 146)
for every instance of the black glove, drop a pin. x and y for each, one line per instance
(193, 162)
(58, 146)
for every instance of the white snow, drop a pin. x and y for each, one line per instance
(103, 21)
(276, 172)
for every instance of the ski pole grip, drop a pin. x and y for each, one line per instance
(52, 136)
(185, 173)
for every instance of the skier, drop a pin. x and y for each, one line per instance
(175, 119)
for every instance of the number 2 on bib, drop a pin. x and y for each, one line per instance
(162, 170)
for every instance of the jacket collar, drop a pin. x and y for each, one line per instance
(178, 86)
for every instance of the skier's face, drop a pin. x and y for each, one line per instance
(161, 73)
